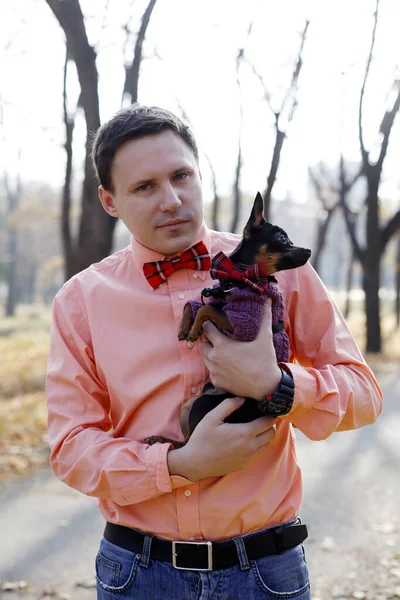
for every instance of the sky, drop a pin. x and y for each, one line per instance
(190, 54)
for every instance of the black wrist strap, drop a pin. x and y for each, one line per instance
(281, 400)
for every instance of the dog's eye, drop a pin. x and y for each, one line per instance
(282, 239)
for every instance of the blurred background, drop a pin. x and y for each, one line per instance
(297, 99)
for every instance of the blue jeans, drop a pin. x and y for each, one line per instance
(124, 575)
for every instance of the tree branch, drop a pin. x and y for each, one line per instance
(132, 72)
(386, 127)
(349, 215)
(364, 153)
(389, 230)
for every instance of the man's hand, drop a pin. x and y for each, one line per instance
(242, 368)
(216, 448)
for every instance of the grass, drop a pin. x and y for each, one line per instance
(24, 342)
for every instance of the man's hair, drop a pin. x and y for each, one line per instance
(132, 123)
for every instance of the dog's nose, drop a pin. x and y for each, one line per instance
(308, 251)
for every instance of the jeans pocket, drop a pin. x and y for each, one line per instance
(116, 568)
(283, 576)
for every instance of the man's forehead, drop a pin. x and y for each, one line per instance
(153, 153)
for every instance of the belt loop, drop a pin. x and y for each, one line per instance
(242, 554)
(146, 550)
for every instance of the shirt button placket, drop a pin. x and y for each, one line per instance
(187, 504)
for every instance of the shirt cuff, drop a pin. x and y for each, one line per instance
(305, 390)
(157, 462)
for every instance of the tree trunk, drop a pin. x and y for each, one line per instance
(12, 205)
(397, 301)
(70, 266)
(11, 272)
(236, 192)
(132, 73)
(372, 307)
(372, 266)
(323, 226)
(279, 139)
(349, 284)
(96, 226)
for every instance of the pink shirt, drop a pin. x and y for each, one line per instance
(117, 374)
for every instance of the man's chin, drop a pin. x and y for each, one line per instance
(177, 244)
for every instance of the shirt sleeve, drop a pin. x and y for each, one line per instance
(84, 452)
(335, 390)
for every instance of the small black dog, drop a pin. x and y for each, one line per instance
(245, 281)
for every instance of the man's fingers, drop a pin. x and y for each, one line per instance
(262, 424)
(211, 332)
(266, 320)
(265, 438)
(223, 410)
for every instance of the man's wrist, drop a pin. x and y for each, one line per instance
(273, 382)
(280, 401)
(178, 464)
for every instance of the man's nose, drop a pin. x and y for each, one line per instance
(170, 201)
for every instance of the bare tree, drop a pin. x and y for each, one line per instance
(132, 71)
(283, 117)
(237, 195)
(13, 197)
(96, 226)
(397, 283)
(377, 236)
(70, 266)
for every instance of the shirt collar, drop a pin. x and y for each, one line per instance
(142, 254)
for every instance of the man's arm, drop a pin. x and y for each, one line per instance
(85, 454)
(334, 387)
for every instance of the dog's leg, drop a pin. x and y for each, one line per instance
(153, 439)
(186, 323)
(208, 313)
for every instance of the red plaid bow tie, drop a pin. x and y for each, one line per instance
(196, 258)
(254, 276)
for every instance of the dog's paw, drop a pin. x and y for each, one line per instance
(183, 335)
(153, 439)
(194, 334)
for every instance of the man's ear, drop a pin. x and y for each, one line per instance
(107, 201)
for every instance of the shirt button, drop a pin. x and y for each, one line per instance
(188, 493)
(195, 276)
(190, 344)
(192, 539)
(181, 295)
(194, 390)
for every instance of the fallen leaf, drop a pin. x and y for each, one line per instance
(12, 586)
(328, 544)
(87, 583)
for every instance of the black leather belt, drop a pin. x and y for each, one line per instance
(206, 556)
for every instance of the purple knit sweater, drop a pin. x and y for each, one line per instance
(244, 308)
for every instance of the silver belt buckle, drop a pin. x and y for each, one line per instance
(209, 555)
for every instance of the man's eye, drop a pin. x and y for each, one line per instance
(144, 187)
(181, 176)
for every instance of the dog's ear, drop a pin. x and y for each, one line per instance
(256, 216)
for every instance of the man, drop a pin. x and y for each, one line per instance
(217, 518)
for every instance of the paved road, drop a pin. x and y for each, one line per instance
(50, 533)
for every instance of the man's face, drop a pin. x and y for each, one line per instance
(157, 192)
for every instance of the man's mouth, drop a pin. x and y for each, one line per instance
(173, 223)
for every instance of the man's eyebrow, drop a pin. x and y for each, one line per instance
(140, 182)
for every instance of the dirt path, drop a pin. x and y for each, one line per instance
(50, 533)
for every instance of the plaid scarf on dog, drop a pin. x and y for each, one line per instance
(255, 276)
(196, 258)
